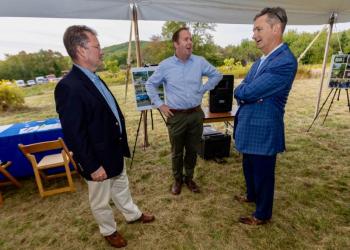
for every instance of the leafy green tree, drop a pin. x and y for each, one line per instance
(203, 44)
(170, 27)
(30, 65)
(245, 52)
(111, 66)
(157, 50)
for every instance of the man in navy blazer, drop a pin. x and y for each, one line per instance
(259, 125)
(94, 129)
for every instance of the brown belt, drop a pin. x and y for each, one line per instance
(187, 111)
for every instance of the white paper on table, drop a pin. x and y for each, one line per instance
(49, 126)
(4, 127)
(28, 130)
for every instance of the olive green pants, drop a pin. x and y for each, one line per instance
(185, 131)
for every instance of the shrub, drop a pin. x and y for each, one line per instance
(236, 68)
(309, 71)
(112, 78)
(11, 97)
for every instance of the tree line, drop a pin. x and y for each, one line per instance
(161, 47)
(29, 65)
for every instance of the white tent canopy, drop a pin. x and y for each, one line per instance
(300, 12)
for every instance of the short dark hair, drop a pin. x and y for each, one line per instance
(274, 14)
(75, 36)
(176, 35)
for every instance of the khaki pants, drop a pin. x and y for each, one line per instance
(117, 189)
(185, 131)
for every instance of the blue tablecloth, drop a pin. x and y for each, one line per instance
(25, 133)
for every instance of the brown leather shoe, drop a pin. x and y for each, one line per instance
(116, 240)
(251, 220)
(145, 218)
(176, 188)
(242, 199)
(192, 186)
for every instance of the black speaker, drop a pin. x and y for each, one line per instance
(214, 144)
(220, 98)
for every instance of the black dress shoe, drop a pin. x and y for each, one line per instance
(176, 188)
(251, 220)
(192, 186)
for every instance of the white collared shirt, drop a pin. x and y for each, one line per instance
(264, 57)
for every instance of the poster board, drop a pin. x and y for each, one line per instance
(340, 72)
(139, 79)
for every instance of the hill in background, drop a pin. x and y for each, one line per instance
(120, 51)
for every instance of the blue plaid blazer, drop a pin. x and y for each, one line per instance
(262, 96)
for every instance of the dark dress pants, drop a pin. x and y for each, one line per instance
(259, 173)
(185, 131)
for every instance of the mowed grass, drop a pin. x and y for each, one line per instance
(312, 196)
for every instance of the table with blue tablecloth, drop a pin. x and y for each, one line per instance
(25, 133)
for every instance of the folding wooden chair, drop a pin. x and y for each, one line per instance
(8, 176)
(50, 161)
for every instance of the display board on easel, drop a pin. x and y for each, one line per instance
(139, 78)
(339, 79)
(340, 74)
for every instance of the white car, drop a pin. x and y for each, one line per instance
(20, 83)
(40, 80)
(31, 82)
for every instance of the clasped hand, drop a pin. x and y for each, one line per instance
(99, 174)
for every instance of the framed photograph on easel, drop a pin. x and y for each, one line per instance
(340, 72)
(339, 79)
(139, 79)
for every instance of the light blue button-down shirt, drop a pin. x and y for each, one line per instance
(182, 81)
(104, 92)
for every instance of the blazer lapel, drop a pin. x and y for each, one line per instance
(116, 103)
(269, 59)
(90, 86)
(254, 69)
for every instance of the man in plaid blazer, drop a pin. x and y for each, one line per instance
(259, 126)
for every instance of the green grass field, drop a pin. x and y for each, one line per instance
(312, 197)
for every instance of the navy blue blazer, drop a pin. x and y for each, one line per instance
(90, 129)
(259, 125)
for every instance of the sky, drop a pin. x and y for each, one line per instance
(33, 34)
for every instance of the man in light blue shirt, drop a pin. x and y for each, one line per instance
(182, 75)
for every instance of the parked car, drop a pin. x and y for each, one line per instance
(51, 78)
(20, 83)
(31, 82)
(40, 80)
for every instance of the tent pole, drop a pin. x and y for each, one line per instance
(311, 43)
(128, 63)
(331, 23)
(139, 61)
(137, 38)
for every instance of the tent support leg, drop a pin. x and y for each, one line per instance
(331, 23)
(319, 111)
(347, 95)
(330, 105)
